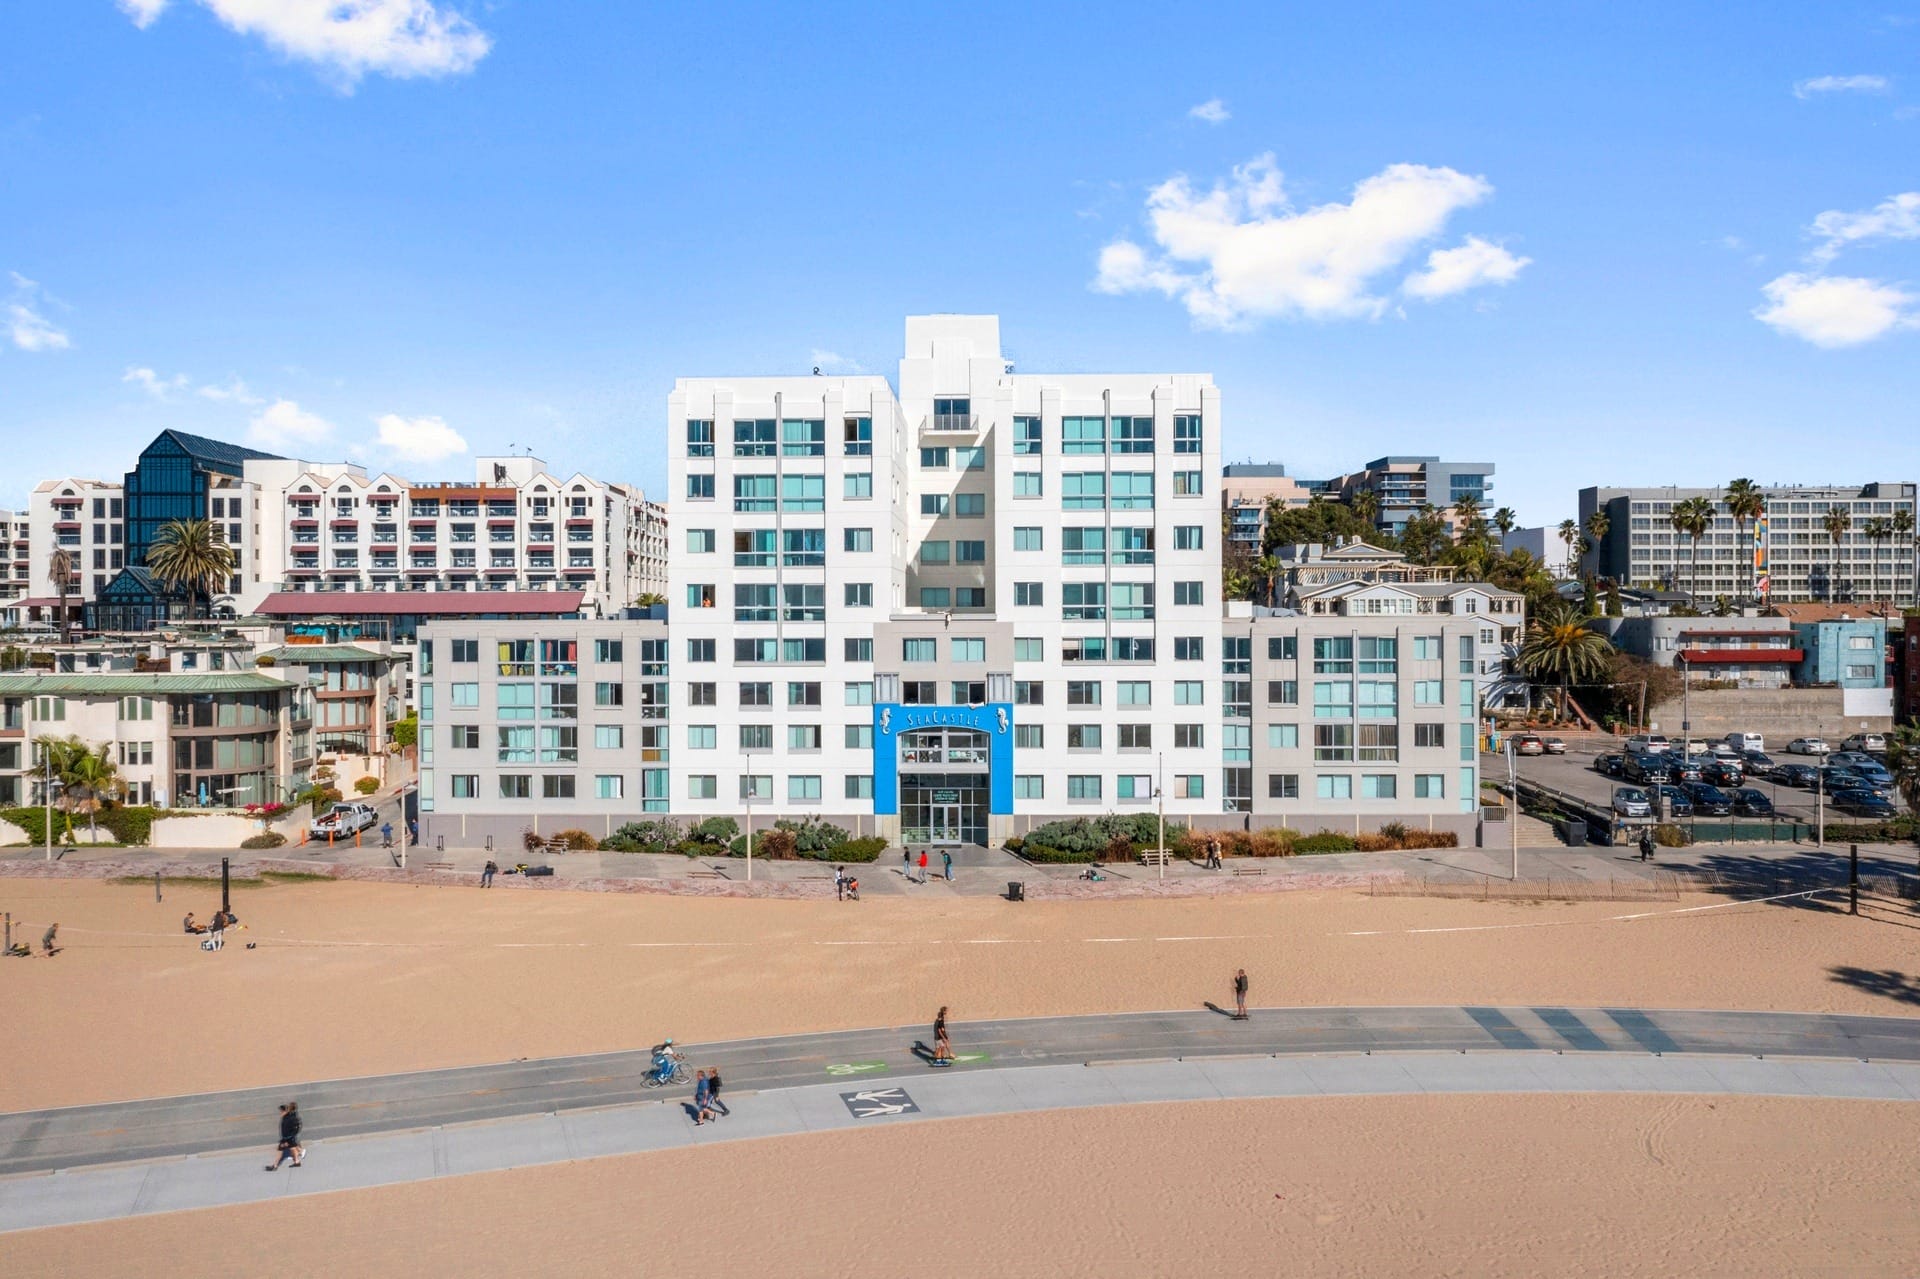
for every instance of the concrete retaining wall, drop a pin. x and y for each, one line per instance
(1779, 714)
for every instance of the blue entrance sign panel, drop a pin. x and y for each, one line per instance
(890, 719)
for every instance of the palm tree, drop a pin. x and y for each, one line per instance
(1837, 520)
(1903, 529)
(1466, 509)
(60, 566)
(1560, 648)
(1596, 528)
(1569, 534)
(92, 778)
(1692, 518)
(1746, 503)
(190, 555)
(1268, 568)
(1366, 505)
(1878, 529)
(1903, 761)
(1506, 520)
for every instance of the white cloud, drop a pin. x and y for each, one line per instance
(419, 439)
(152, 383)
(351, 38)
(1213, 111)
(1474, 263)
(143, 12)
(285, 425)
(831, 362)
(1841, 84)
(1837, 311)
(234, 392)
(29, 329)
(1240, 252)
(1894, 218)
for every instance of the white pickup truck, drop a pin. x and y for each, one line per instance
(343, 821)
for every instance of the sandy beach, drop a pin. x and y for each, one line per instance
(1528, 1185)
(351, 979)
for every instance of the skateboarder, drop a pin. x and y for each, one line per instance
(1240, 995)
(942, 1046)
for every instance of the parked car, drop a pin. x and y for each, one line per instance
(1746, 743)
(1647, 744)
(1875, 743)
(1631, 801)
(342, 821)
(1608, 765)
(1720, 750)
(1679, 803)
(1863, 803)
(1686, 770)
(1708, 799)
(1802, 775)
(1808, 746)
(1748, 802)
(1865, 765)
(1528, 744)
(1835, 780)
(1722, 772)
(1759, 764)
(1646, 768)
(1555, 746)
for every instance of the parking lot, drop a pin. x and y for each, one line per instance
(1573, 774)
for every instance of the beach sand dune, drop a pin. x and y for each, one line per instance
(352, 979)
(1488, 1186)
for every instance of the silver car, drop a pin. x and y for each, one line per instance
(1631, 801)
(1808, 746)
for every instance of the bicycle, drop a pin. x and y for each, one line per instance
(654, 1078)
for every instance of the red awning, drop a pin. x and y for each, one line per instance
(1742, 656)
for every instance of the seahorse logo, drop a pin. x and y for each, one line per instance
(1000, 713)
(886, 720)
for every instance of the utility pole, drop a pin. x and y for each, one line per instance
(1513, 822)
(46, 793)
(746, 802)
(1160, 795)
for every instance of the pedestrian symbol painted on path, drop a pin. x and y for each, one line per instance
(855, 1067)
(877, 1102)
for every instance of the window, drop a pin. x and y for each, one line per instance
(700, 594)
(857, 485)
(516, 786)
(803, 737)
(136, 708)
(1189, 648)
(1333, 656)
(1188, 537)
(857, 434)
(1189, 692)
(700, 650)
(1426, 648)
(936, 552)
(756, 693)
(859, 785)
(1429, 786)
(465, 785)
(1133, 435)
(1333, 699)
(1083, 786)
(1429, 734)
(1283, 692)
(1187, 593)
(920, 650)
(1026, 436)
(1861, 672)
(919, 692)
(513, 701)
(753, 438)
(608, 737)
(1029, 594)
(1027, 484)
(1029, 692)
(1332, 742)
(1428, 692)
(857, 540)
(803, 693)
(699, 437)
(1133, 692)
(703, 694)
(934, 504)
(970, 552)
(1083, 545)
(1080, 435)
(969, 597)
(933, 459)
(1029, 737)
(467, 650)
(556, 786)
(1132, 545)
(1379, 743)
(1379, 655)
(858, 649)
(1189, 786)
(608, 694)
(1029, 786)
(1334, 786)
(755, 492)
(1133, 490)
(970, 506)
(1189, 736)
(859, 737)
(1283, 737)
(1083, 491)
(1283, 786)
(803, 787)
(703, 786)
(1379, 699)
(609, 786)
(1189, 484)
(969, 692)
(859, 595)
(803, 492)
(1029, 650)
(756, 787)
(859, 693)
(969, 650)
(1083, 601)
(700, 487)
(1028, 538)
(464, 695)
(1083, 692)
(465, 737)
(1135, 737)
(756, 737)
(1379, 786)
(803, 438)
(1133, 786)
(1186, 433)
(706, 737)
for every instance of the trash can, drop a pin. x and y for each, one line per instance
(1573, 833)
(1016, 891)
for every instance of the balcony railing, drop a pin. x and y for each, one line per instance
(950, 424)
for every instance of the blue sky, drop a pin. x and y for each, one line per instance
(1593, 243)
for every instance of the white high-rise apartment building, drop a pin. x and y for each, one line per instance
(996, 596)
(86, 518)
(16, 555)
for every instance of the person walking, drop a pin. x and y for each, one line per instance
(713, 1093)
(1240, 995)
(702, 1098)
(923, 865)
(946, 867)
(906, 861)
(290, 1147)
(942, 1045)
(487, 874)
(1646, 845)
(1213, 852)
(50, 940)
(218, 933)
(386, 834)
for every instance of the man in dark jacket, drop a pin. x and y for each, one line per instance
(290, 1147)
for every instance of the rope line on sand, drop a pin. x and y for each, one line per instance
(1575, 923)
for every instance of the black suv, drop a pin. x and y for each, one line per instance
(1709, 800)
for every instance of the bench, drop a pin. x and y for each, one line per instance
(1153, 856)
(439, 865)
(1249, 870)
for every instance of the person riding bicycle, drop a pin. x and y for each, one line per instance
(666, 1059)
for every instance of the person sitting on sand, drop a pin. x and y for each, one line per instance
(193, 925)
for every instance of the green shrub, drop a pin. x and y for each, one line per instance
(813, 837)
(1326, 841)
(1093, 834)
(272, 839)
(867, 848)
(366, 785)
(131, 826)
(406, 732)
(1668, 835)
(654, 835)
(715, 832)
(1041, 854)
(1014, 844)
(574, 841)
(1118, 849)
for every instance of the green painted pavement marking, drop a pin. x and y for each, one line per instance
(856, 1067)
(973, 1057)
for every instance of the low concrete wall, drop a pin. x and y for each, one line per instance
(11, 834)
(219, 830)
(1778, 714)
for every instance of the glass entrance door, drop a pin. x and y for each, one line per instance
(944, 823)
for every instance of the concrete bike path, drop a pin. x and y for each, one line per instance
(103, 1162)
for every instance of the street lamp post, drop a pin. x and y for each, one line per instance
(1513, 818)
(746, 802)
(46, 794)
(1160, 797)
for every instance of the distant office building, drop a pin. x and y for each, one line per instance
(1245, 490)
(1542, 543)
(1402, 485)
(1786, 557)
(16, 556)
(86, 519)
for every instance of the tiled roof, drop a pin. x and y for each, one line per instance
(309, 654)
(218, 454)
(132, 684)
